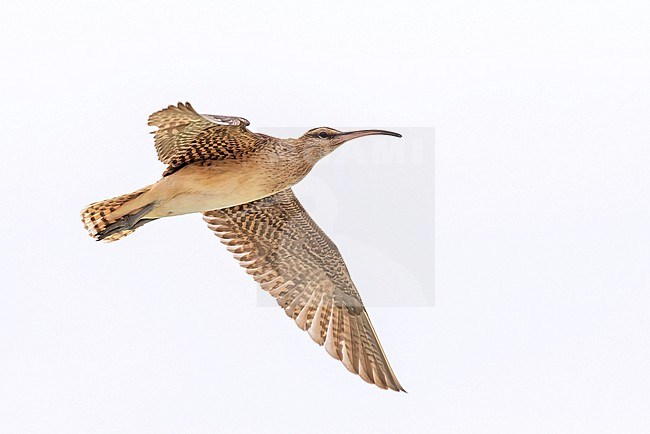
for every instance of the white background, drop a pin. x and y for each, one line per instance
(541, 320)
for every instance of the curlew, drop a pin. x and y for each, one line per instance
(241, 181)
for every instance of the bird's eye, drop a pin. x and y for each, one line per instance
(322, 135)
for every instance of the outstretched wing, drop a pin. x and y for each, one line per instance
(277, 242)
(184, 136)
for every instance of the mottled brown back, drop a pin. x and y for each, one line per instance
(185, 137)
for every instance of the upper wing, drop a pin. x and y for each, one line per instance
(277, 242)
(185, 137)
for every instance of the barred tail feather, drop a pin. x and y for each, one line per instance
(103, 222)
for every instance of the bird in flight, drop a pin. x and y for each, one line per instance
(241, 181)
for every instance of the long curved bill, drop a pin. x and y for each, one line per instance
(361, 133)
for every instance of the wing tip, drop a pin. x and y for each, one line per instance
(154, 118)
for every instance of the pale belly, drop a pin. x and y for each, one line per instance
(202, 188)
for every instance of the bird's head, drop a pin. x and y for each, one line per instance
(321, 141)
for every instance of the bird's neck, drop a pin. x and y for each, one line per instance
(294, 158)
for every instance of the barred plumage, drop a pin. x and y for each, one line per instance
(275, 236)
(184, 137)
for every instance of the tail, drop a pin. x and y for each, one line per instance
(109, 220)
